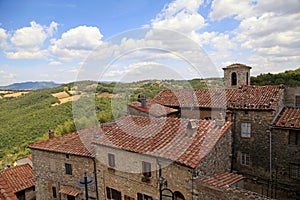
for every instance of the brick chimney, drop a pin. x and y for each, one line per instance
(51, 133)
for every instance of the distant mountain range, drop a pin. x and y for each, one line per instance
(30, 85)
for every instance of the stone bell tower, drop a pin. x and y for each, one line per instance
(236, 75)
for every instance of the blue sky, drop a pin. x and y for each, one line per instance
(56, 40)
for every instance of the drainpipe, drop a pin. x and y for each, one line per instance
(233, 139)
(270, 162)
(95, 175)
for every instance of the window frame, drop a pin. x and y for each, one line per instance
(294, 171)
(294, 137)
(111, 160)
(247, 133)
(68, 168)
(141, 196)
(245, 159)
(146, 169)
(114, 194)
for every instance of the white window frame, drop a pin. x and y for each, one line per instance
(245, 159)
(246, 129)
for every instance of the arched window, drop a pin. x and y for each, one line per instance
(178, 196)
(233, 78)
(247, 78)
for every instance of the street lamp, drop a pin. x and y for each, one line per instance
(85, 182)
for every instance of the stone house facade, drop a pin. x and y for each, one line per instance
(166, 147)
(285, 162)
(59, 163)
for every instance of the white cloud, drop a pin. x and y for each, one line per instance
(3, 38)
(29, 37)
(180, 15)
(27, 42)
(76, 43)
(23, 54)
(54, 63)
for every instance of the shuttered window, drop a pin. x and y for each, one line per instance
(246, 129)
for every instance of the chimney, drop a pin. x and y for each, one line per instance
(192, 127)
(51, 133)
(142, 99)
(220, 120)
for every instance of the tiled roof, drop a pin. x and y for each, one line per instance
(236, 65)
(5, 191)
(153, 108)
(19, 177)
(288, 118)
(76, 143)
(246, 97)
(223, 179)
(69, 190)
(167, 138)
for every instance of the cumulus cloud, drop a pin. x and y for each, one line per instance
(76, 43)
(180, 15)
(27, 42)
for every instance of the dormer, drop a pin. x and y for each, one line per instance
(236, 75)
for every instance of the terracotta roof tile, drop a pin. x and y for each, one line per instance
(246, 97)
(236, 65)
(223, 179)
(19, 177)
(76, 143)
(69, 190)
(6, 192)
(167, 138)
(153, 108)
(288, 118)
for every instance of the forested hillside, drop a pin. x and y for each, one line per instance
(289, 78)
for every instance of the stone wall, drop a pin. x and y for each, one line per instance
(218, 159)
(127, 176)
(289, 96)
(283, 154)
(49, 171)
(241, 73)
(257, 146)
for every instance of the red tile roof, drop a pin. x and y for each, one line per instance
(6, 192)
(288, 118)
(223, 179)
(69, 190)
(246, 97)
(76, 143)
(19, 177)
(167, 138)
(153, 108)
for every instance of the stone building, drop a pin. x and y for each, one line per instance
(285, 162)
(17, 183)
(236, 75)
(59, 163)
(134, 153)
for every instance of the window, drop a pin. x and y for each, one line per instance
(294, 137)
(233, 78)
(67, 156)
(111, 160)
(113, 194)
(297, 101)
(245, 129)
(146, 169)
(128, 197)
(245, 159)
(143, 197)
(295, 171)
(68, 169)
(54, 195)
(247, 78)
(70, 197)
